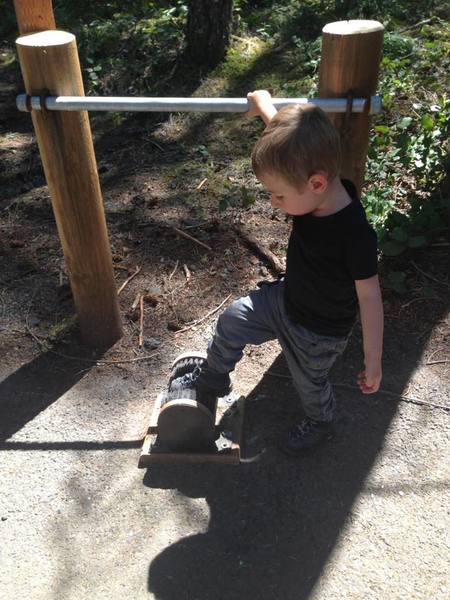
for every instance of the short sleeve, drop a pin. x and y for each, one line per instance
(361, 254)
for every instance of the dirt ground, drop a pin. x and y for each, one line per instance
(363, 517)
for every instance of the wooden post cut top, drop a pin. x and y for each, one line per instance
(52, 37)
(49, 60)
(352, 27)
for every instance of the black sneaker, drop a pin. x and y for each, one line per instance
(189, 387)
(185, 382)
(203, 379)
(305, 435)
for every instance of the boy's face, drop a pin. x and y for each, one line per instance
(292, 200)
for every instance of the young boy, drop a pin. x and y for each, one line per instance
(331, 268)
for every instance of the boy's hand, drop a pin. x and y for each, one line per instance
(260, 105)
(370, 379)
(371, 308)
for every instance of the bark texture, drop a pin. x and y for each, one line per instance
(208, 31)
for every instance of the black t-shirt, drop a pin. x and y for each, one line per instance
(325, 256)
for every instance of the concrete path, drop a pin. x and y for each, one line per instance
(364, 517)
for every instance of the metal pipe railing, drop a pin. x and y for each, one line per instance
(26, 102)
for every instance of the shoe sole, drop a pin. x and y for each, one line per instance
(297, 453)
(186, 363)
(185, 355)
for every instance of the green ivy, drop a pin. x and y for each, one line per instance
(408, 158)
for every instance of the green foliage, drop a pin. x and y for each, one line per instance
(236, 196)
(308, 54)
(416, 227)
(408, 157)
(8, 24)
(409, 161)
(130, 52)
(396, 280)
(133, 47)
(415, 146)
(408, 150)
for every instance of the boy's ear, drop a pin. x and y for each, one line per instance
(318, 182)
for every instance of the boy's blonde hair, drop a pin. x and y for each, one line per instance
(298, 142)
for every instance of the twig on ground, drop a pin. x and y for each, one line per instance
(253, 243)
(254, 458)
(211, 312)
(437, 362)
(187, 272)
(118, 362)
(177, 289)
(412, 302)
(136, 302)
(37, 339)
(98, 362)
(433, 354)
(395, 395)
(120, 267)
(429, 276)
(416, 25)
(201, 184)
(35, 291)
(141, 321)
(195, 225)
(174, 271)
(127, 281)
(190, 237)
(155, 144)
(385, 392)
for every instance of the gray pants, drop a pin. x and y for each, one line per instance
(260, 317)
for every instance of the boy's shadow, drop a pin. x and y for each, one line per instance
(273, 522)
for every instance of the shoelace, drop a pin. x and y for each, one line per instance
(189, 379)
(303, 428)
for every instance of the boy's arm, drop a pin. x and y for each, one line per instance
(260, 105)
(371, 309)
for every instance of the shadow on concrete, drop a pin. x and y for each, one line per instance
(82, 445)
(273, 523)
(36, 385)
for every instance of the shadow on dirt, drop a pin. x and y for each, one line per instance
(36, 385)
(23, 171)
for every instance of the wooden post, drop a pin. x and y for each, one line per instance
(49, 61)
(34, 15)
(351, 53)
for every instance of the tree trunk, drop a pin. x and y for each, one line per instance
(208, 31)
